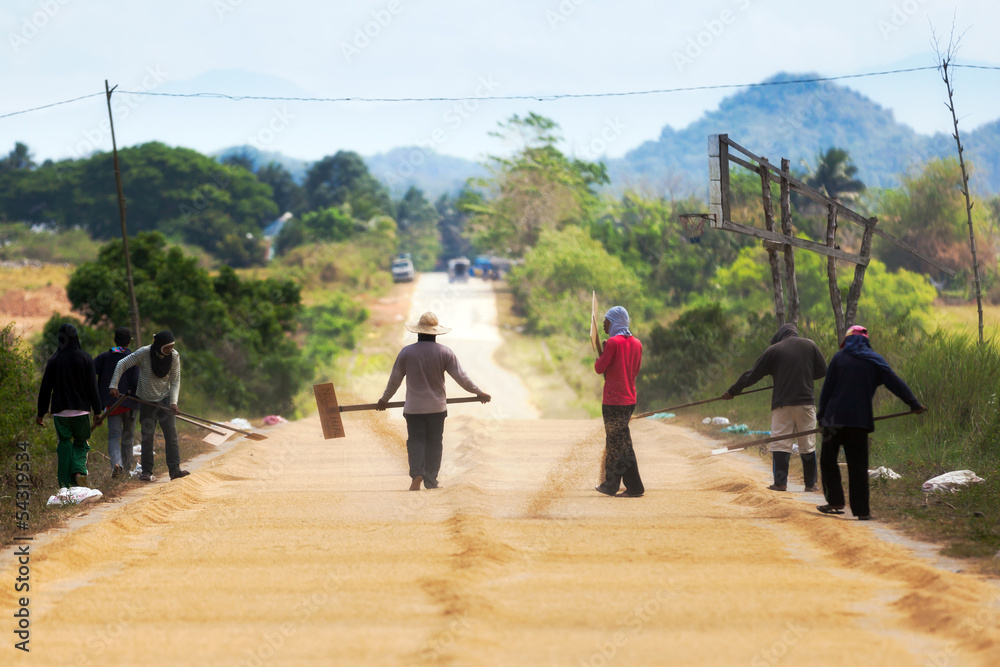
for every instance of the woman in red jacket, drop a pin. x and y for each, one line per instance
(619, 362)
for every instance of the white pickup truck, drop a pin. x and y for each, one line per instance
(402, 269)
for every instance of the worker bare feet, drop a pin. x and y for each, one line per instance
(415, 484)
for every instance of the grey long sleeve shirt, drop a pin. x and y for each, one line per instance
(424, 364)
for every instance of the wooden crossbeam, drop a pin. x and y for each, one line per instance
(781, 239)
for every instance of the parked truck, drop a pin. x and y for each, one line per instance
(458, 270)
(402, 268)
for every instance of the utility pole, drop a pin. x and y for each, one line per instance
(133, 307)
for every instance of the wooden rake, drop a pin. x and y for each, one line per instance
(330, 409)
(790, 436)
(688, 405)
(202, 422)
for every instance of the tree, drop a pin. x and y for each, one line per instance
(451, 227)
(558, 276)
(242, 157)
(344, 178)
(175, 190)
(236, 335)
(288, 195)
(834, 175)
(536, 189)
(928, 212)
(18, 158)
(417, 223)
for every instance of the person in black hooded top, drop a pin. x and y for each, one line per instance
(69, 390)
(846, 416)
(160, 383)
(794, 364)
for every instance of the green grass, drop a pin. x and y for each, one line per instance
(74, 246)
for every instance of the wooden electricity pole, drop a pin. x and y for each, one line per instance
(133, 306)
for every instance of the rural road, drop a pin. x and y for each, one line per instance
(303, 551)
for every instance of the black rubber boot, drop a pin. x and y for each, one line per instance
(780, 467)
(809, 469)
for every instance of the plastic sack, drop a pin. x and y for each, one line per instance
(241, 423)
(951, 481)
(663, 415)
(882, 472)
(743, 429)
(74, 495)
(718, 421)
(271, 420)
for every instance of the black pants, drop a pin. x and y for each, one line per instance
(149, 417)
(855, 444)
(424, 436)
(620, 464)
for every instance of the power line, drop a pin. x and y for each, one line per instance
(537, 98)
(47, 106)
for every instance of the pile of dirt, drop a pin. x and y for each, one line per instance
(30, 309)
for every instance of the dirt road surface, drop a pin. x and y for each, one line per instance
(303, 551)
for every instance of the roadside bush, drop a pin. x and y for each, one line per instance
(234, 335)
(555, 283)
(17, 390)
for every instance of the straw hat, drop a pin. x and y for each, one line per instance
(428, 324)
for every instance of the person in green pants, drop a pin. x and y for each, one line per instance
(69, 391)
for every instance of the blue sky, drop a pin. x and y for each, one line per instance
(54, 50)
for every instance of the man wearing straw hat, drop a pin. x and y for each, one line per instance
(424, 364)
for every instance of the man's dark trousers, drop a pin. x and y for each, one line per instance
(620, 464)
(149, 417)
(424, 436)
(855, 444)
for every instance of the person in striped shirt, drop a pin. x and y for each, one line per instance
(159, 382)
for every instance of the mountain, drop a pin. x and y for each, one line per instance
(798, 122)
(296, 167)
(432, 172)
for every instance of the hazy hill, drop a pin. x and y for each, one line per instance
(432, 172)
(797, 122)
(794, 121)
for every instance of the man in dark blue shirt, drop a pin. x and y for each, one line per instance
(121, 422)
(845, 414)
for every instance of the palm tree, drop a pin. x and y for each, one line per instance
(834, 175)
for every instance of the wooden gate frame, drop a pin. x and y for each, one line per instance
(720, 155)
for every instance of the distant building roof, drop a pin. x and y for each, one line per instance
(274, 228)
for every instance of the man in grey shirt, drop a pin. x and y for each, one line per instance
(424, 364)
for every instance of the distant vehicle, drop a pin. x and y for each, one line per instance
(458, 270)
(402, 269)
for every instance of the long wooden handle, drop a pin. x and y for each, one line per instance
(191, 419)
(399, 404)
(688, 405)
(111, 408)
(790, 436)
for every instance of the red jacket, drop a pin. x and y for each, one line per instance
(620, 363)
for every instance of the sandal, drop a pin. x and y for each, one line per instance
(830, 509)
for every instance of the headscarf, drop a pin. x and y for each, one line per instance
(158, 360)
(857, 345)
(67, 339)
(618, 317)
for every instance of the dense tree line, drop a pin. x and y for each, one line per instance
(222, 207)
